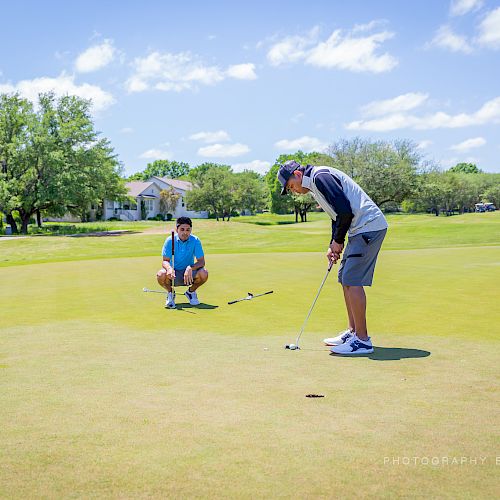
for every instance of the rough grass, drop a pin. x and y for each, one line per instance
(104, 393)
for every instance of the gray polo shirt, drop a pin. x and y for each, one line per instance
(337, 194)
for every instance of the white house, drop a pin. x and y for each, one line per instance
(149, 193)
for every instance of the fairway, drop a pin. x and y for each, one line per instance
(104, 393)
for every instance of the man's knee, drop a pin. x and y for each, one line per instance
(202, 275)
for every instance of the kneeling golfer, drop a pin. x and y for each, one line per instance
(354, 213)
(187, 247)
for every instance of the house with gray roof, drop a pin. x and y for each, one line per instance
(148, 193)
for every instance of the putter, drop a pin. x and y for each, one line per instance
(295, 346)
(250, 296)
(173, 264)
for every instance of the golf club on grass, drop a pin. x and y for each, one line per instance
(153, 291)
(295, 346)
(250, 296)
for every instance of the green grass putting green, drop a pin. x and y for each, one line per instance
(104, 393)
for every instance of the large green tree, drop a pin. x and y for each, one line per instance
(251, 191)
(211, 189)
(16, 119)
(222, 192)
(162, 168)
(57, 162)
(387, 171)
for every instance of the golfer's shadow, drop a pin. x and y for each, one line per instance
(392, 354)
(396, 353)
(201, 305)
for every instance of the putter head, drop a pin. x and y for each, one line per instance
(250, 295)
(144, 289)
(292, 347)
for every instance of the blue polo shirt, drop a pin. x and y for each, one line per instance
(184, 251)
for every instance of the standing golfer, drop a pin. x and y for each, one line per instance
(353, 213)
(187, 247)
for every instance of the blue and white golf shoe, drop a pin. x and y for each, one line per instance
(354, 346)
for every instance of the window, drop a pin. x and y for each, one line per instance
(149, 205)
(110, 205)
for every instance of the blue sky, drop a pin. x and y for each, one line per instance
(242, 82)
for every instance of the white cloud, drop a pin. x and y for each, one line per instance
(404, 102)
(210, 137)
(95, 57)
(156, 154)
(62, 85)
(352, 53)
(242, 71)
(175, 72)
(292, 48)
(342, 50)
(182, 71)
(259, 166)
(223, 150)
(461, 7)
(489, 112)
(304, 143)
(126, 130)
(445, 38)
(475, 142)
(424, 144)
(489, 30)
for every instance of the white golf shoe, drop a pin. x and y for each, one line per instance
(192, 297)
(341, 338)
(170, 302)
(354, 346)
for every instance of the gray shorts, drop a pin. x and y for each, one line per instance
(359, 258)
(179, 276)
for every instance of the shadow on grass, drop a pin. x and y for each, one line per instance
(396, 353)
(390, 354)
(268, 223)
(99, 234)
(201, 305)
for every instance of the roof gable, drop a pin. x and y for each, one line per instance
(137, 188)
(175, 183)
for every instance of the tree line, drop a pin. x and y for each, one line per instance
(53, 161)
(393, 173)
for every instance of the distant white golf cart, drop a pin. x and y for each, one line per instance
(485, 207)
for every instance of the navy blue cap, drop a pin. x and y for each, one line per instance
(286, 171)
